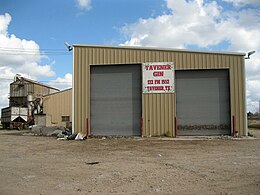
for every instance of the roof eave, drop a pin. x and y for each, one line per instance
(160, 49)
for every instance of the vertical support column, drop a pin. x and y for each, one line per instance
(73, 88)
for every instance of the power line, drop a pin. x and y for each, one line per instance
(55, 82)
(41, 54)
(18, 48)
(24, 51)
(6, 79)
(64, 82)
(33, 53)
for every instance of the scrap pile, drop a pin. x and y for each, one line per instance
(61, 133)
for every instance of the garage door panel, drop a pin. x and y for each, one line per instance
(203, 102)
(115, 100)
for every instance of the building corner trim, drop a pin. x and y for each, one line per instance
(73, 77)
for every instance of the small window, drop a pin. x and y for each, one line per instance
(65, 118)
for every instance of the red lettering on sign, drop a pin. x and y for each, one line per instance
(168, 88)
(150, 82)
(155, 88)
(158, 67)
(157, 81)
(165, 81)
(158, 74)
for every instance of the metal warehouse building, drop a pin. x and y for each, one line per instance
(58, 108)
(112, 96)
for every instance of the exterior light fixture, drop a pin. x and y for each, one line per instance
(249, 54)
(68, 46)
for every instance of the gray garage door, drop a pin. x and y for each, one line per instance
(115, 100)
(203, 106)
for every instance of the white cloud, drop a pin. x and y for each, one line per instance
(204, 24)
(62, 83)
(196, 23)
(6, 75)
(242, 2)
(84, 4)
(183, 26)
(18, 56)
(4, 22)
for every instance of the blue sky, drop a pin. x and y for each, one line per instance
(51, 23)
(43, 27)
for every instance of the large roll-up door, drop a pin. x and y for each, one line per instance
(203, 102)
(115, 99)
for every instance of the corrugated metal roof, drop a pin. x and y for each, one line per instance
(161, 49)
(58, 92)
(36, 82)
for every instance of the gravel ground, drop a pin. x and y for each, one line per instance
(44, 165)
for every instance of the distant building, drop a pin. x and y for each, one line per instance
(25, 100)
(58, 108)
(22, 87)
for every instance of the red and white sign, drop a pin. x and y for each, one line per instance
(158, 77)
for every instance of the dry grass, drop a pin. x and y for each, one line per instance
(254, 123)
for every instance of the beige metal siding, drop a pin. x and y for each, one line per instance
(158, 110)
(57, 105)
(40, 90)
(51, 91)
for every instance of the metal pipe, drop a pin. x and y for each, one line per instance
(175, 105)
(234, 125)
(87, 130)
(259, 110)
(176, 126)
(141, 126)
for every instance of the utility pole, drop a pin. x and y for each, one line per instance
(259, 110)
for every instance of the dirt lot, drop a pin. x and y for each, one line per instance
(43, 165)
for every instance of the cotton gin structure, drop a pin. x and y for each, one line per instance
(138, 91)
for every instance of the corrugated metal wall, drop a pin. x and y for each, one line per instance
(158, 110)
(57, 105)
(18, 90)
(42, 90)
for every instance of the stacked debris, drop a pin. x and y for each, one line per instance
(60, 132)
